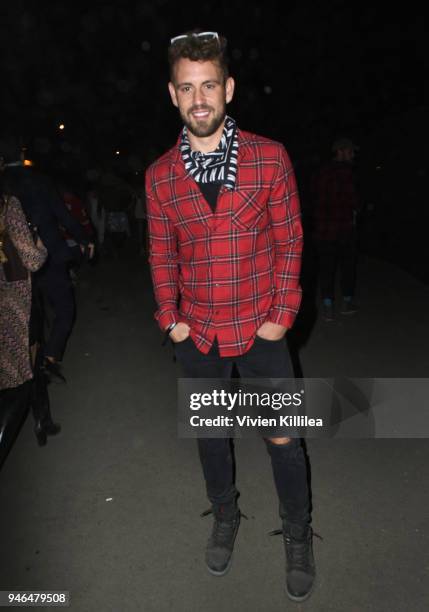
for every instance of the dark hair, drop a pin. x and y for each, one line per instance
(199, 50)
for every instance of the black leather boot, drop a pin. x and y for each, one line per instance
(221, 541)
(300, 566)
(44, 425)
(43, 429)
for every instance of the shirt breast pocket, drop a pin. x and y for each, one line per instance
(250, 210)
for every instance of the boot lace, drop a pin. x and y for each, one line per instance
(223, 528)
(297, 551)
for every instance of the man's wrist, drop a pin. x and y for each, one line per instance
(167, 332)
(285, 319)
(166, 318)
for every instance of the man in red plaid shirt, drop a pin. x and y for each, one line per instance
(225, 254)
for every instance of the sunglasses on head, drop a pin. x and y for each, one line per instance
(208, 36)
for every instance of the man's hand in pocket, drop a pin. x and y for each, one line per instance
(180, 332)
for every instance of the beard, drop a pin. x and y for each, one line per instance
(203, 127)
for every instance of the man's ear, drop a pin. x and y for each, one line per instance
(173, 95)
(229, 89)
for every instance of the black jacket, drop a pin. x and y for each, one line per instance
(44, 209)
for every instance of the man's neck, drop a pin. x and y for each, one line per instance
(206, 144)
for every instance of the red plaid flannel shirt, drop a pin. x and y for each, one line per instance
(226, 273)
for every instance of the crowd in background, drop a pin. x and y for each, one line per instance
(49, 228)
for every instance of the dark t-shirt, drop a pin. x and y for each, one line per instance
(210, 191)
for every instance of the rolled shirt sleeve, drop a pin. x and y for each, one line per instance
(163, 259)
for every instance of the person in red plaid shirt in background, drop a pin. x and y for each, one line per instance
(225, 253)
(336, 208)
(77, 209)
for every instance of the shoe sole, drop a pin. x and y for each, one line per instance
(223, 572)
(303, 597)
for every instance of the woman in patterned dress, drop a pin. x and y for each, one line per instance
(15, 308)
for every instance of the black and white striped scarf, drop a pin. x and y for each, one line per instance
(218, 166)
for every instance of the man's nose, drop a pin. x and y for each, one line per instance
(199, 97)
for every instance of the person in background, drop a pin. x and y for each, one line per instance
(39, 394)
(115, 197)
(76, 207)
(97, 215)
(45, 210)
(20, 254)
(336, 206)
(141, 219)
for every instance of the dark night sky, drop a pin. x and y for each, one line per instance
(305, 72)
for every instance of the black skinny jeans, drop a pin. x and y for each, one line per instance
(265, 359)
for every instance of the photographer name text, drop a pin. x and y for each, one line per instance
(248, 421)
